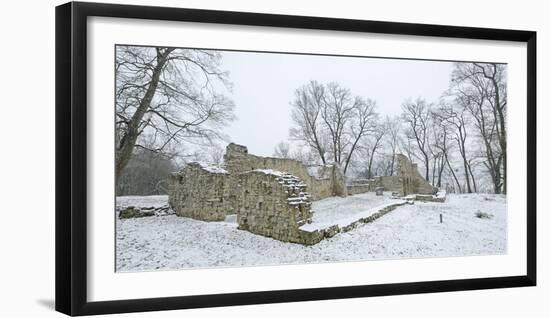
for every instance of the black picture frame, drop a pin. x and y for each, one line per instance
(71, 157)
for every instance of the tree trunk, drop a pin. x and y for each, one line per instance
(472, 176)
(467, 176)
(369, 171)
(427, 160)
(462, 149)
(502, 125)
(433, 171)
(441, 168)
(128, 141)
(392, 163)
(453, 173)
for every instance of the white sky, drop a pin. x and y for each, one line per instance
(264, 85)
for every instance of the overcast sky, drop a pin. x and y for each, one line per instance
(264, 85)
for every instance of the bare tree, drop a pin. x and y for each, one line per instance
(446, 156)
(282, 150)
(331, 121)
(482, 88)
(337, 112)
(416, 115)
(391, 141)
(455, 118)
(305, 155)
(371, 145)
(306, 110)
(438, 149)
(169, 95)
(216, 155)
(364, 121)
(145, 174)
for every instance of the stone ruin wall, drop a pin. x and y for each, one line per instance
(330, 183)
(391, 183)
(407, 181)
(274, 204)
(359, 186)
(271, 196)
(412, 181)
(200, 193)
(267, 202)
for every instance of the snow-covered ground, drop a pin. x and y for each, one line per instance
(410, 231)
(344, 211)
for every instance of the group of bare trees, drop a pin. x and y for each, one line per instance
(331, 121)
(479, 89)
(167, 98)
(458, 141)
(146, 173)
(472, 116)
(171, 103)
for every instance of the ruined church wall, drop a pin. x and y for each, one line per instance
(198, 193)
(408, 181)
(238, 160)
(358, 186)
(391, 183)
(274, 205)
(413, 182)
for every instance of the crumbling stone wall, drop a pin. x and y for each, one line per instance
(274, 204)
(328, 182)
(270, 195)
(408, 180)
(413, 182)
(266, 200)
(201, 192)
(358, 186)
(391, 183)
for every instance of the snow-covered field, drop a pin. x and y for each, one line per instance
(410, 231)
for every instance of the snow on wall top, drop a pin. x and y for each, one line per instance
(271, 172)
(287, 180)
(209, 167)
(441, 194)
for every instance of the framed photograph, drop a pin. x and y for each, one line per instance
(212, 158)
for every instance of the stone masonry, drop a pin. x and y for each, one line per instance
(328, 180)
(274, 204)
(407, 181)
(357, 186)
(200, 192)
(268, 194)
(272, 196)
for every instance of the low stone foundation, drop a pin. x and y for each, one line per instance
(316, 235)
(438, 197)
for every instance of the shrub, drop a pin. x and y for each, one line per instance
(483, 215)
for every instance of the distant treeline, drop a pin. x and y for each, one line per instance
(146, 174)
